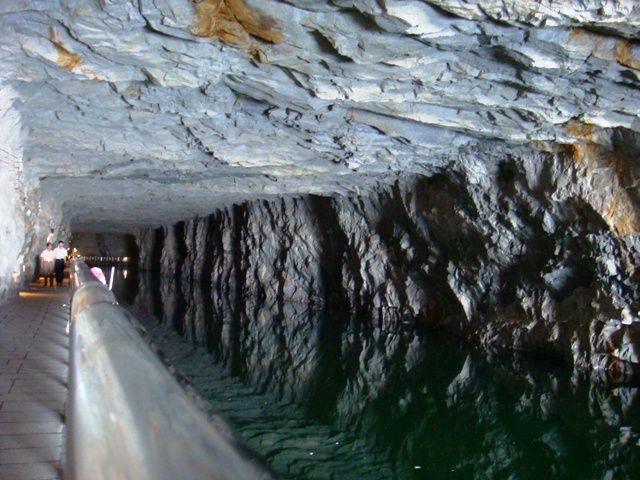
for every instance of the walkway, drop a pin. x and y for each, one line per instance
(33, 383)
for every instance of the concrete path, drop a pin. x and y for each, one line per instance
(33, 383)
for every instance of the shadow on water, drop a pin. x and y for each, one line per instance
(328, 395)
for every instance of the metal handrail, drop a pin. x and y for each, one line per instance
(127, 417)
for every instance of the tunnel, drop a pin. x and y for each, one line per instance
(373, 239)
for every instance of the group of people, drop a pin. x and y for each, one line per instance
(52, 261)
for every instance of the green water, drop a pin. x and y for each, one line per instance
(327, 396)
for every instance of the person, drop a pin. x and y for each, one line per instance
(47, 261)
(61, 255)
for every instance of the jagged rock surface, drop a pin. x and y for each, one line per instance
(508, 252)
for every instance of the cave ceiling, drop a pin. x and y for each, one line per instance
(143, 112)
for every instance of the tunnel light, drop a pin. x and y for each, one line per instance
(27, 294)
(23, 294)
(124, 273)
(125, 259)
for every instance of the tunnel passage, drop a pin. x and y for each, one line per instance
(116, 254)
(109, 245)
(470, 167)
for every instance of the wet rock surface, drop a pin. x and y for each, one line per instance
(509, 254)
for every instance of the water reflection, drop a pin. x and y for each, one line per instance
(328, 395)
(125, 280)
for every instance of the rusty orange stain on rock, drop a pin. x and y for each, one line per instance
(607, 47)
(580, 36)
(582, 131)
(622, 213)
(585, 148)
(66, 58)
(233, 22)
(89, 73)
(579, 129)
(624, 202)
(624, 54)
(600, 162)
(257, 53)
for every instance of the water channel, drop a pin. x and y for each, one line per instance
(326, 395)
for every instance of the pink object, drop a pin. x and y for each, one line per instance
(99, 274)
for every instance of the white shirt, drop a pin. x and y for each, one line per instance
(47, 255)
(60, 253)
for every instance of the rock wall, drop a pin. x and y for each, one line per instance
(28, 215)
(12, 225)
(510, 248)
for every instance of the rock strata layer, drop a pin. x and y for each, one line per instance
(508, 248)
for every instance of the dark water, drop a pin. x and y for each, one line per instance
(325, 395)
